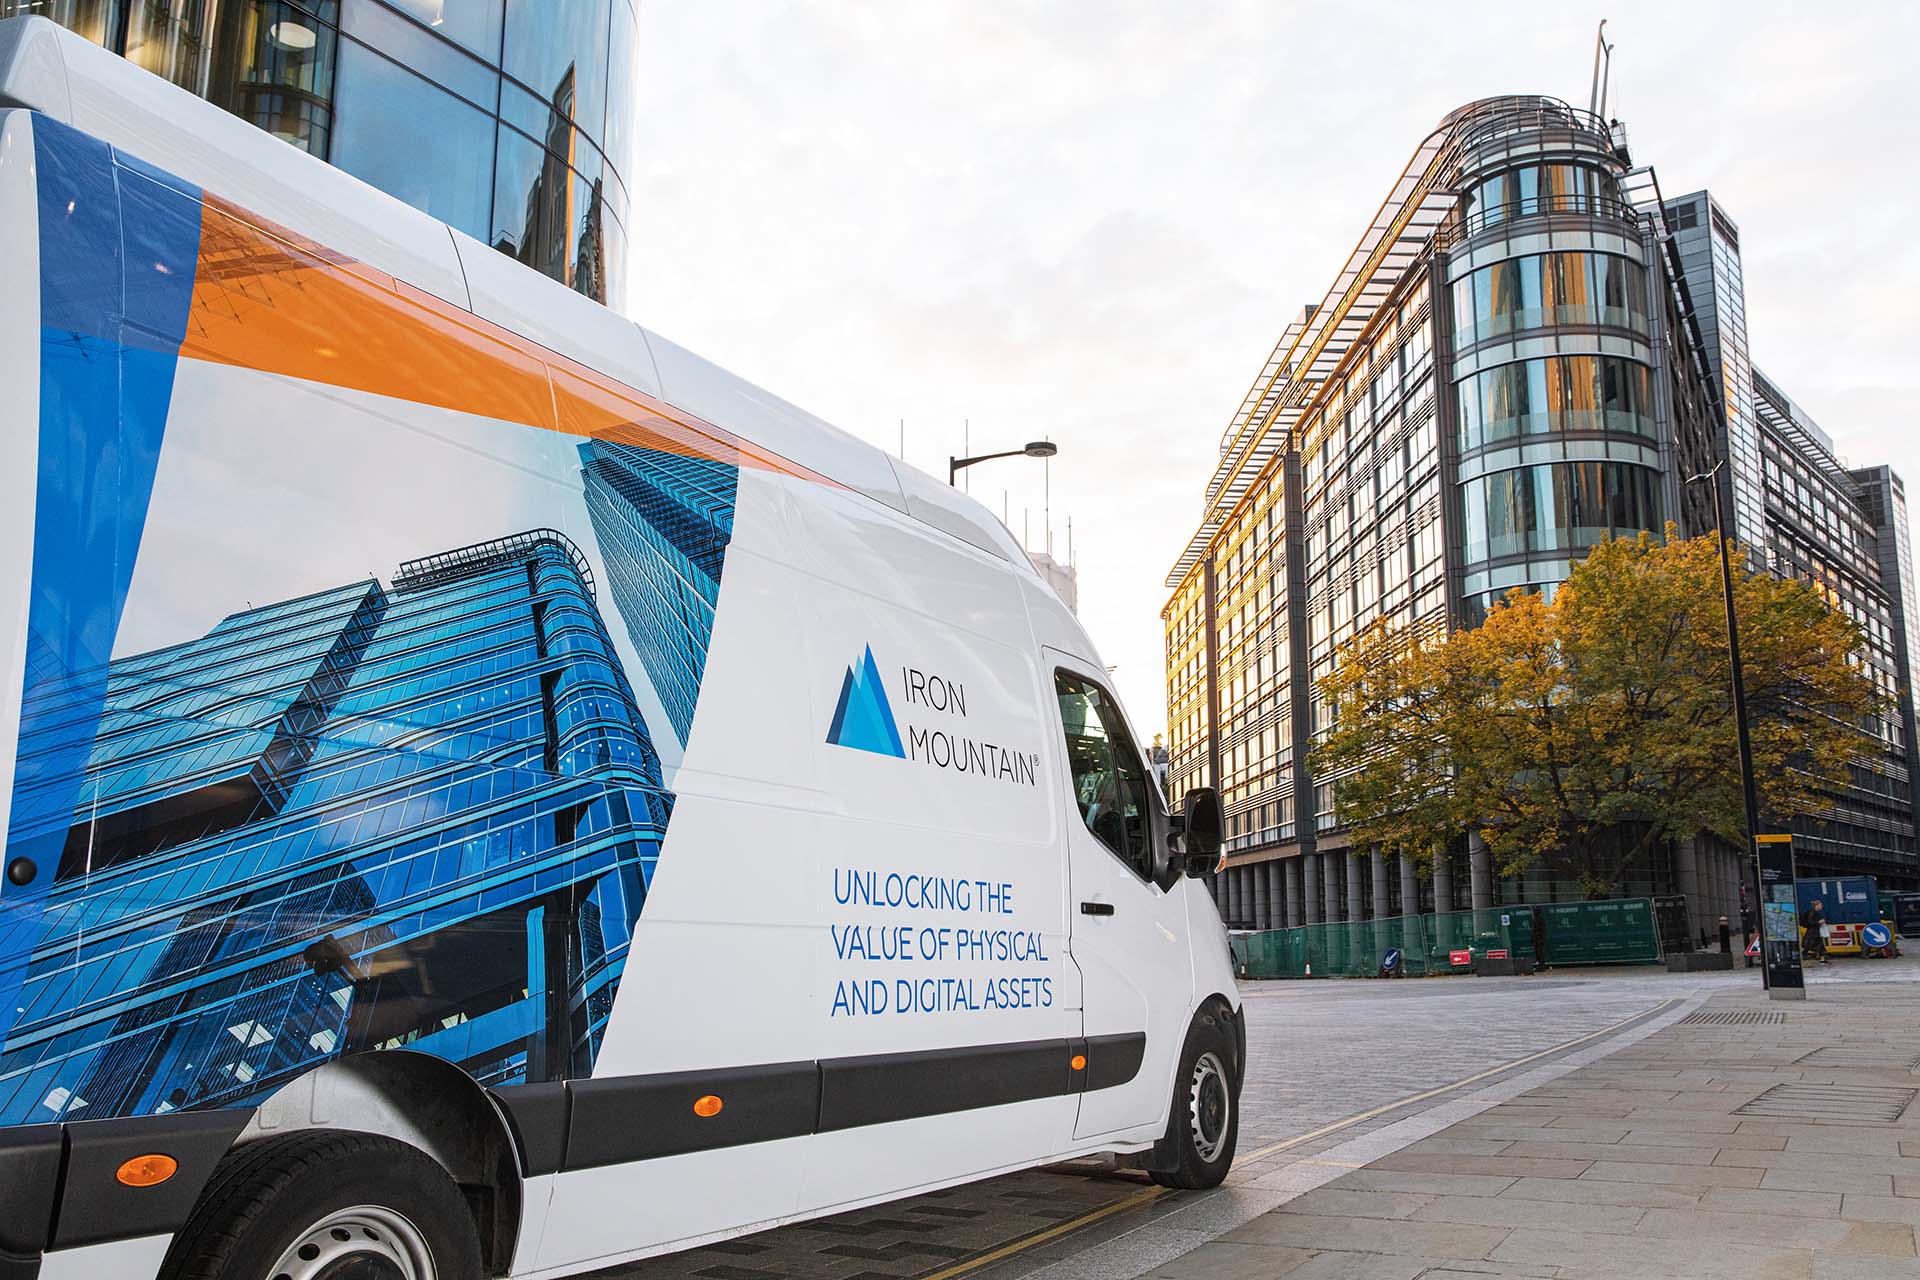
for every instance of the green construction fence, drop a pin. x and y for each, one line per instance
(1616, 931)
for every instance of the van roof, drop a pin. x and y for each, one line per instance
(45, 68)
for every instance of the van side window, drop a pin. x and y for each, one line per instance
(1109, 780)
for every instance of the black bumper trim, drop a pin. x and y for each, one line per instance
(589, 1124)
(58, 1189)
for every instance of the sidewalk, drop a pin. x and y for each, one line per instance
(1754, 1140)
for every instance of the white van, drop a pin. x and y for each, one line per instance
(486, 792)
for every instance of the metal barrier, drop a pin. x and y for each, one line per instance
(1619, 931)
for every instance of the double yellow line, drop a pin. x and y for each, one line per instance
(1146, 1195)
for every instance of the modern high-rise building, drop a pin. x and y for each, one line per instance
(1527, 352)
(510, 120)
(1803, 513)
(440, 802)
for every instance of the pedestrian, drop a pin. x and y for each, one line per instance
(1539, 937)
(1815, 923)
(1746, 924)
(1157, 758)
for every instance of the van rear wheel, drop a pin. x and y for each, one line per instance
(1204, 1128)
(325, 1205)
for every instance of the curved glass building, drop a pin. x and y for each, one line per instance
(1526, 352)
(510, 120)
(1551, 365)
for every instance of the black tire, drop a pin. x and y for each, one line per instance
(267, 1196)
(1204, 1126)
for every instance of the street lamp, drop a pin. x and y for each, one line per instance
(1740, 716)
(1033, 449)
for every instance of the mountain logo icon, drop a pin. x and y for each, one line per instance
(864, 719)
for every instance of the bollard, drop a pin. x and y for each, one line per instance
(1726, 937)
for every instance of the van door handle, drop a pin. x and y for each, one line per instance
(1096, 908)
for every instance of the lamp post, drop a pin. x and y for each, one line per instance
(1033, 449)
(1712, 478)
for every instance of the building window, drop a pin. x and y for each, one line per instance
(1555, 394)
(1559, 507)
(1547, 188)
(1546, 289)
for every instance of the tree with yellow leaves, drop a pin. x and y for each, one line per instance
(1583, 733)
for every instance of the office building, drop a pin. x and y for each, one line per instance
(510, 120)
(1801, 512)
(421, 814)
(1525, 353)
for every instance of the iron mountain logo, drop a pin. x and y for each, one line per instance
(863, 720)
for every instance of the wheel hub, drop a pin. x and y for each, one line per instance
(365, 1242)
(1209, 1107)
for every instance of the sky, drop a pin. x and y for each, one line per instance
(1090, 222)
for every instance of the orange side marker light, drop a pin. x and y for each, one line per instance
(146, 1171)
(1079, 1062)
(706, 1106)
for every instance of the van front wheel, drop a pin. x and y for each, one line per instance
(1198, 1148)
(319, 1203)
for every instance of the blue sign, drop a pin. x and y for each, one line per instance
(1875, 935)
(1390, 961)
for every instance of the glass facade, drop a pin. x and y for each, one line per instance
(1469, 417)
(506, 119)
(1542, 289)
(1562, 395)
(1528, 189)
(1557, 507)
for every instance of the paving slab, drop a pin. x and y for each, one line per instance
(1583, 1191)
(1805, 1204)
(1504, 1211)
(1421, 1239)
(1641, 1163)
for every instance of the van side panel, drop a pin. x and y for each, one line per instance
(20, 445)
(341, 699)
(117, 247)
(870, 881)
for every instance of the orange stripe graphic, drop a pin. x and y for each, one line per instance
(267, 299)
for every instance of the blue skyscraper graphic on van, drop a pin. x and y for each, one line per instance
(864, 720)
(663, 522)
(416, 815)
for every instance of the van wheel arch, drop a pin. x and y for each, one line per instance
(1220, 1006)
(1216, 1033)
(427, 1103)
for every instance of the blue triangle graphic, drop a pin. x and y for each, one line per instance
(864, 720)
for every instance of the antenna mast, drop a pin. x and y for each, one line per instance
(1602, 58)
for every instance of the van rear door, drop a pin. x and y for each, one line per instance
(1128, 936)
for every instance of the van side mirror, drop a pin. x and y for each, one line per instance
(1203, 824)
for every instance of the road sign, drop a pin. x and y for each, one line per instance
(1875, 936)
(1458, 958)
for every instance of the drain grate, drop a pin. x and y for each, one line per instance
(1833, 1103)
(1738, 1017)
(1866, 1058)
